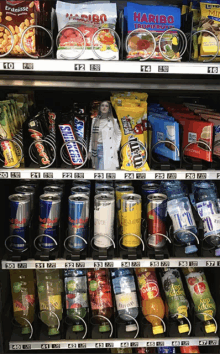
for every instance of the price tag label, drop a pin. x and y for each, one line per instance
(129, 176)
(213, 342)
(99, 345)
(135, 264)
(35, 175)
(69, 265)
(80, 265)
(98, 176)
(79, 67)
(8, 66)
(210, 264)
(193, 264)
(190, 176)
(28, 66)
(48, 175)
(22, 265)
(151, 344)
(95, 67)
(154, 264)
(160, 344)
(15, 175)
(201, 175)
(159, 175)
(67, 175)
(16, 347)
(134, 344)
(163, 69)
(45, 346)
(72, 346)
(98, 264)
(39, 265)
(184, 343)
(3, 175)
(82, 345)
(55, 346)
(146, 68)
(79, 175)
(109, 264)
(203, 342)
(109, 345)
(165, 263)
(125, 264)
(125, 345)
(110, 175)
(171, 176)
(26, 347)
(218, 175)
(176, 344)
(141, 176)
(212, 70)
(9, 265)
(51, 265)
(183, 264)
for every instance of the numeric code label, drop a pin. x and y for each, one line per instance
(210, 264)
(35, 175)
(3, 174)
(67, 175)
(190, 175)
(146, 68)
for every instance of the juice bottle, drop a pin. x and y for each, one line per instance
(23, 296)
(201, 296)
(100, 297)
(175, 296)
(76, 296)
(50, 289)
(190, 349)
(152, 303)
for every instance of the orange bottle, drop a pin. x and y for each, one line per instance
(152, 303)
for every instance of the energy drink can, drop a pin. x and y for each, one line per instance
(49, 219)
(105, 189)
(19, 217)
(82, 182)
(29, 191)
(156, 219)
(78, 220)
(103, 183)
(104, 213)
(119, 192)
(131, 219)
(122, 183)
(54, 190)
(80, 189)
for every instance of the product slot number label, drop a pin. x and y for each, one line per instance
(79, 67)
(203, 342)
(16, 347)
(3, 174)
(99, 345)
(79, 175)
(124, 345)
(35, 175)
(129, 175)
(141, 176)
(15, 175)
(39, 265)
(183, 264)
(22, 265)
(151, 344)
(154, 264)
(80, 265)
(45, 346)
(125, 264)
(67, 175)
(98, 264)
(69, 265)
(190, 176)
(176, 344)
(212, 70)
(8, 66)
(146, 68)
(72, 346)
(9, 265)
(159, 175)
(210, 264)
(98, 175)
(48, 175)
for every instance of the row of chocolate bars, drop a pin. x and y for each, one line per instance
(90, 136)
(87, 30)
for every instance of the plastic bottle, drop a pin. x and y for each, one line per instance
(125, 295)
(76, 296)
(151, 301)
(175, 296)
(100, 297)
(207, 206)
(23, 297)
(201, 296)
(180, 211)
(50, 289)
(190, 349)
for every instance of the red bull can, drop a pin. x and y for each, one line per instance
(49, 219)
(54, 190)
(19, 218)
(80, 189)
(29, 191)
(78, 220)
(105, 189)
(156, 219)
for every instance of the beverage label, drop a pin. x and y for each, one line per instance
(174, 292)
(23, 303)
(54, 303)
(103, 224)
(183, 217)
(148, 285)
(201, 295)
(100, 293)
(18, 306)
(131, 224)
(208, 212)
(76, 292)
(125, 301)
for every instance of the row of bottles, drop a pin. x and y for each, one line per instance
(96, 282)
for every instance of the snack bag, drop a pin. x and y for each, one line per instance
(156, 19)
(87, 19)
(130, 121)
(8, 148)
(210, 21)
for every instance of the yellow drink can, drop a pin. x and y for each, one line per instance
(119, 192)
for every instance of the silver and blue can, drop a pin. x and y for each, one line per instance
(54, 190)
(19, 218)
(80, 189)
(78, 221)
(82, 182)
(146, 190)
(104, 183)
(49, 218)
(105, 189)
(27, 190)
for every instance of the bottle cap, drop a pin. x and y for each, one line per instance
(131, 328)
(183, 328)
(210, 328)
(158, 330)
(191, 249)
(77, 328)
(217, 252)
(26, 330)
(104, 328)
(53, 331)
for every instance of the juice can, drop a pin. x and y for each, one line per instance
(156, 219)
(119, 192)
(131, 219)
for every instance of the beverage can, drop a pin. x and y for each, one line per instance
(105, 189)
(122, 183)
(27, 190)
(131, 219)
(19, 217)
(156, 219)
(149, 188)
(104, 212)
(54, 190)
(49, 219)
(78, 220)
(80, 189)
(82, 182)
(119, 192)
